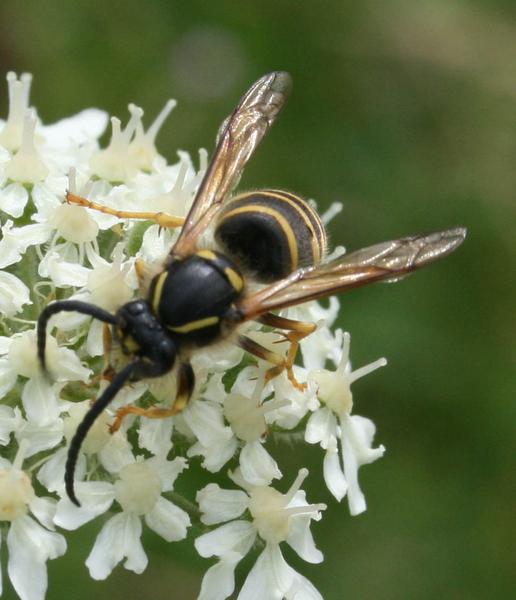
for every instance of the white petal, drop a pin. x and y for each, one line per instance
(13, 294)
(51, 474)
(235, 537)
(257, 465)
(96, 497)
(16, 241)
(301, 540)
(168, 470)
(215, 390)
(44, 198)
(77, 130)
(154, 434)
(42, 437)
(218, 582)
(94, 342)
(302, 589)
(216, 455)
(44, 509)
(270, 577)
(63, 273)
(10, 420)
(206, 420)
(321, 427)
(333, 475)
(5, 344)
(168, 520)
(13, 199)
(30, 546)
(357, 436)
(119, 539)
(40, 402)
(70, 367)
(219, 505)
(117, 453)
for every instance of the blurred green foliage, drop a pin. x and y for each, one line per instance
(406, 112)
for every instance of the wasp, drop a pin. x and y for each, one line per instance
(201, 296)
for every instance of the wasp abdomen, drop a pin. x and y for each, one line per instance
(272, 233)
(192, 297)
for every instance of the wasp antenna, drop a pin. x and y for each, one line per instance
(90, 417)
(68, 306)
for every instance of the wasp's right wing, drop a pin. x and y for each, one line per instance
(382, 262)
(239, 136)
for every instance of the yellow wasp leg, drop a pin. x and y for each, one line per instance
(297, 331)
(161, 218)
(184, 392)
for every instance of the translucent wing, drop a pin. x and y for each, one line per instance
(239, 136)
(382, 262)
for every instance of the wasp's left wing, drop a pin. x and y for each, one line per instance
(239, 136)
(382, 262)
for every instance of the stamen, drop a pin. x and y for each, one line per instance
(152, 132)
(23, 448)
(332, 212)
(26, 166)
(354, 375)
(19, 90)
(296, 486)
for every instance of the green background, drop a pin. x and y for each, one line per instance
(405, 111)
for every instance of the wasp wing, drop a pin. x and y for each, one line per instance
(239, 137)
(382, 262)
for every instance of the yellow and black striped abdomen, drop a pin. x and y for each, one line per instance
(272, 233)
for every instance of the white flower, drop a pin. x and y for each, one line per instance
(333, 424)
(29, 543)
(138, 491)
(52, 250)
(40, 398)
(276, 518)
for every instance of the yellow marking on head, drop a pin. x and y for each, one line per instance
(234, 278)
(207, 254)
(194, 325)
(158, 290)
(285, 225)
(129, 344)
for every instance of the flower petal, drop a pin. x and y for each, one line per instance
(257, 465)
(270, 577)
(40, 402)
(13, 294)
(168, 520)
(333, 475)
(41, 437)
(235, 537)
(219, 505)
(118, 539)
(10, 420)
(218, 582)
(96, 497)
(51, 474)
(30, 546)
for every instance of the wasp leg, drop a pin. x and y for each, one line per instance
(107, 340)
(185, 390)
(161, 218)
(109, 372)
(297, 330)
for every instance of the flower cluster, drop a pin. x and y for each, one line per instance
(51, 250)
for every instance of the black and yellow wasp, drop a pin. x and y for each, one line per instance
(199, 297)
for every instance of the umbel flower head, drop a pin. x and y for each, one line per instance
(51, 250)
